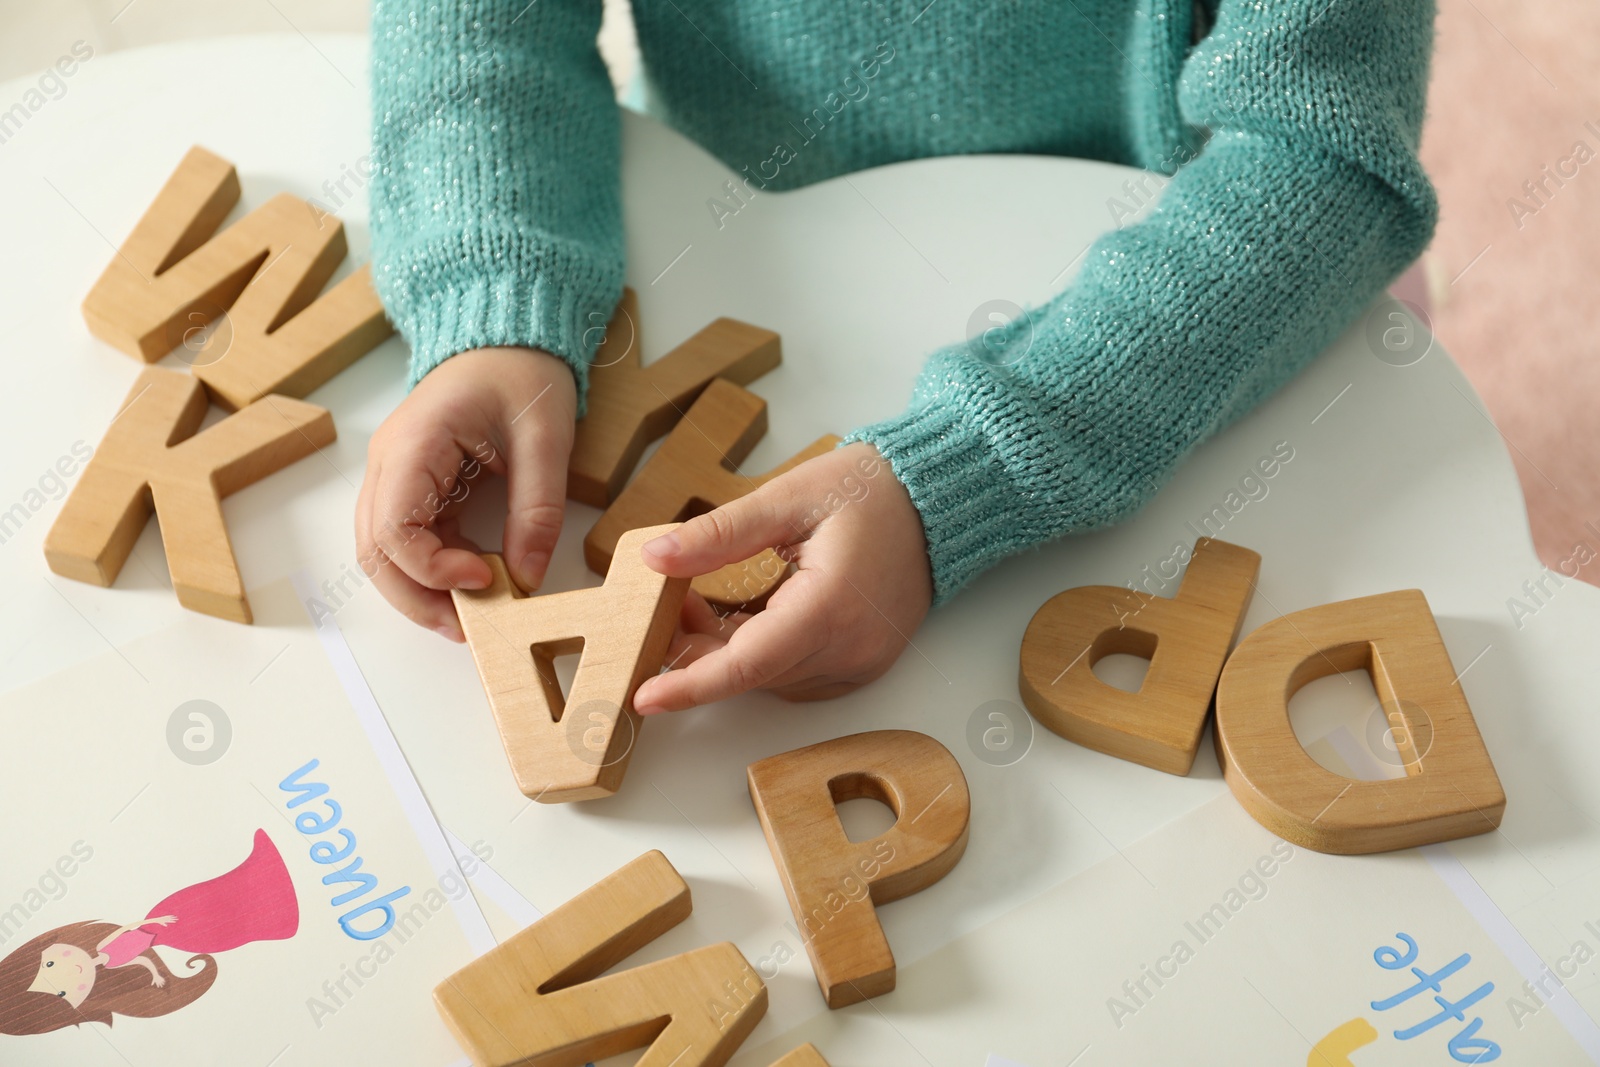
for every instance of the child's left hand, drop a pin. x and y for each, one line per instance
(862, 586)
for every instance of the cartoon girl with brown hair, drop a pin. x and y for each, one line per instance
(90, 971)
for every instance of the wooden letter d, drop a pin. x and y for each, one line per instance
(1450, 789)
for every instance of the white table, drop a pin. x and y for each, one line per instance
(1398, 480)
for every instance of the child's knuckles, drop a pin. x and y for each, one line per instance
(421, 563)
(538, 519)
(715, 531)
(740, 675)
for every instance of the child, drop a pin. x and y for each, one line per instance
(1289, 128)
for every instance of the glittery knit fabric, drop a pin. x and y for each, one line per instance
(1289, 132)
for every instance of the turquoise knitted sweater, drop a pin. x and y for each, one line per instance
(1289, 129)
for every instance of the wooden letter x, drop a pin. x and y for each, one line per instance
(629, 405)
(695, 470)
(259, 279)
(1450, 789)
(538, 999)
(152, 458)
(1186, 639)
(834, 884)
(575, 748)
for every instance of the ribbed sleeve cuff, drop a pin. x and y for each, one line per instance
(967, 502)
(443, 303)
(992, 478)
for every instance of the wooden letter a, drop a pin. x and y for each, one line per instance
(577, 747)
(538, 999)
(1451, 789)
(260, 277)
(151, 458)
(834, 885)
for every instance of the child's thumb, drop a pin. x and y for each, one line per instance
(536, 491)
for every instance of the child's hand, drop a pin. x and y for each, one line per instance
(862, 587)
(506, 410)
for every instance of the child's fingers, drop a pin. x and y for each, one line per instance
(727, 534)
(536, 495)
(450, 535)
(367, 553)
(699, 617)
(701, 631)
(406, 503)
(763, 649)
(425, 607)
(687, 648)
(748, 661)
(812, 690)
(820, 676)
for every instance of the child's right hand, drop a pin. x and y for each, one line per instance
(507, 410)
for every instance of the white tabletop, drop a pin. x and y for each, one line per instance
(1398, 480)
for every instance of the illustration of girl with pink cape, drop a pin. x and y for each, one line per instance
(89, 971)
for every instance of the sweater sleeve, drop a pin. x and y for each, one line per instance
(1305, 201)
(496, 206)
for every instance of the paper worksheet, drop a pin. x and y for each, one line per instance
(1212, 941)
(208, 861)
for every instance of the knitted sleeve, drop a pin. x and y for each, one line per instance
(478, 238)
(1306, 200)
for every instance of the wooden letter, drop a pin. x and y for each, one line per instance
(575, 748)
(538, 999)
(260, 277)
(834, 885)
(1185, 638)
(804, 1056)
(342, 325)
(630, 406)
(152, 458)
(697, 469)
(1451, 789)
